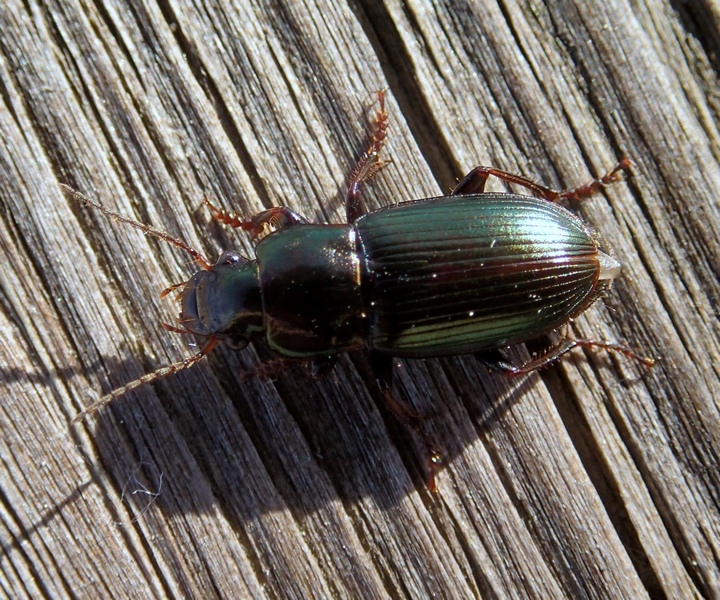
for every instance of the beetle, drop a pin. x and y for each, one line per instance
(472, 272)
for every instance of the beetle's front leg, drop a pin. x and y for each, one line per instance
(496, 360)
(369, 163)
(278, 217)
(474, 183)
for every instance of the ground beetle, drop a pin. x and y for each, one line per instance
(472, 272)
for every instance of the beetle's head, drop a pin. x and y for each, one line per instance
(224, 301)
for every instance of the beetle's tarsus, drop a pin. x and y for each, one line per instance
(369, 164)
(624, 166)
(383, 369)
(225, 217)
(265, 222)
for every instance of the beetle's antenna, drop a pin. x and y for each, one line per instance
(147, 229)
(146, 379)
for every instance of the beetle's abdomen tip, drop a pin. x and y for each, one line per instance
(609, 267)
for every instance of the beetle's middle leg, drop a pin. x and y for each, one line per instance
(474, 183)
(369, 163)
(383, 368)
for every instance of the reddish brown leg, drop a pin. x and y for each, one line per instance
(273, 219)
(172, 288)
(383, 370)
(269, 369)
(474, 183)
(369, 163)
(498, 361)
(173, 329)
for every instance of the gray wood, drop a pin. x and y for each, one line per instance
(597, 478)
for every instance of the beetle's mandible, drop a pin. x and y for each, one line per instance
(471, 272)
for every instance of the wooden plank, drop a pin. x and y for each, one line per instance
(596, 478)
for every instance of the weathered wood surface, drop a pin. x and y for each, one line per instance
(596, 478)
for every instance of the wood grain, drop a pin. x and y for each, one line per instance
(594, 479)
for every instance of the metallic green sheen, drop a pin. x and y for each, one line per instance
(459, 274)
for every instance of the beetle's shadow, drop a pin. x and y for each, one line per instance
(216, 438)
(41, 378)
(211, 438)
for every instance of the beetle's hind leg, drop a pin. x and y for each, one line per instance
(369, 164)
(496, 359)
(474, 183)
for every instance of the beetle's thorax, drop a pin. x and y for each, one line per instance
(310, 279)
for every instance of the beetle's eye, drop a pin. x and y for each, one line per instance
(230, 257)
